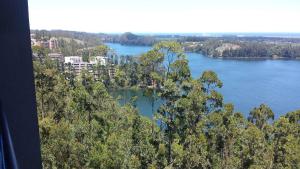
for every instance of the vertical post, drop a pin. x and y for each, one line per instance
(7, 149)
(17, 92)
(1, 151)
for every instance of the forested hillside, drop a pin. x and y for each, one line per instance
(224, 47)
(247, 47)
(132, 39)
(83, 126)
(89, 39)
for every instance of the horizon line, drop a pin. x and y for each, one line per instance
(204, 32)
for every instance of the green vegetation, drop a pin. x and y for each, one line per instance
(252, 47)
(40, 51)
(69, 47)
(83, 126)
(90, 39)
(132, 39)
(225, 47)
(71, 43)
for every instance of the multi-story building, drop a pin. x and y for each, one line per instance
(53, 43)
(102, 60)
(111, 71)
(73, 59)
(76, 64)
(56, 57)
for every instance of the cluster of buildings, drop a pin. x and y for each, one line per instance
(76, 64)
(51, 44)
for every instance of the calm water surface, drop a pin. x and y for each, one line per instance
(246, 83)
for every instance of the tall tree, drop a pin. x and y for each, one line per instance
(261, 116)
(171, 51)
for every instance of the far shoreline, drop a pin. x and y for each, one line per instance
(215, 57)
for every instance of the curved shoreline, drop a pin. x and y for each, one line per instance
(245, 58)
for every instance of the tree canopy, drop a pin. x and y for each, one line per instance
(83, 126)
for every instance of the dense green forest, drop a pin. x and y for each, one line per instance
(83, 126)
(246, 47)
(132, 39)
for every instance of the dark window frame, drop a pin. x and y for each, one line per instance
(19, 121)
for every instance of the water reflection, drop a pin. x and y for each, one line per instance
(144, 103)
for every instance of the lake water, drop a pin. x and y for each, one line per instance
(246, 83)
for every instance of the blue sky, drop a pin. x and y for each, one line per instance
(166, 16)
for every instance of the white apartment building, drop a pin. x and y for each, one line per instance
(77, 64)
(73, 59)
(102, 60)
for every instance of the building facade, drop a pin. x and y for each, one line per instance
(53, 43)
(77, 65)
